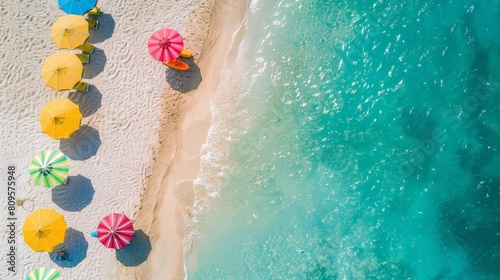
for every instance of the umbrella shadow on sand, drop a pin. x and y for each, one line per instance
(75, 195)
(75, 245)
(184, 81)
(82, 145)
(137, 251)
(97, 61)
(88, 102)
(105, 30)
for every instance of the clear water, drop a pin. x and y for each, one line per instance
(363, 143)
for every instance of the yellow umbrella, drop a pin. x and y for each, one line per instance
(62, 70)
(70, 31)
(44, 229)
(60, 118)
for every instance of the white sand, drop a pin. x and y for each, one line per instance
(123, 107)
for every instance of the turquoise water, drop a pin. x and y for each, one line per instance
(365, 144)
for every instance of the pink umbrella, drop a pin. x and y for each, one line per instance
(115, 231)
(165, 44)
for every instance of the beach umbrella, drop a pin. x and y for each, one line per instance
(76, 7)
(165, 44)
(115, 231)
(44, 229)
(49, 168)
(60, 118)
(69, 32)
(62, 70)
(44, 273)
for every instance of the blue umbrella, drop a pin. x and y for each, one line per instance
(76, 7)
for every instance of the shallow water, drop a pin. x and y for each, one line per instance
(364, 144)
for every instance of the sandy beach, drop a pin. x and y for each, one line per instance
(137, 151)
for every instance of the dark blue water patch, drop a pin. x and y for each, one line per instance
(480, 65)
(417, 122)
(483, 150)
(470, 220)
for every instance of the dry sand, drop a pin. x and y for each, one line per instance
(112, 154)
(138, 149)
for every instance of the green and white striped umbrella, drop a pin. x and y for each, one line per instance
(49, 168)
(44, 273)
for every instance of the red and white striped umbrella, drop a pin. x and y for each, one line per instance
(115, 231)
(165, 44)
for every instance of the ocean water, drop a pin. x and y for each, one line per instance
(355, 140)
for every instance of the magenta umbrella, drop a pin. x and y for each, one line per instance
(165, 44)
(115, 231)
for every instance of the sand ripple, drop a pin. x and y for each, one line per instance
(122, 106)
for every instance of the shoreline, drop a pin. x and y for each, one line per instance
(185, 122)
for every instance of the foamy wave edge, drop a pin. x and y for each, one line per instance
(215, 164)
